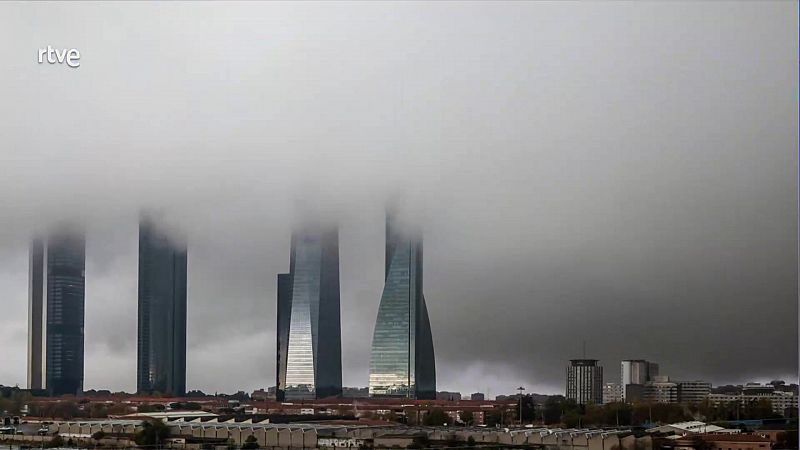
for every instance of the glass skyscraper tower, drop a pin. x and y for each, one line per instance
(56, 313)
(309, 360)
(161, 362)
(402, 362)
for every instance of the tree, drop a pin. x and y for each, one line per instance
(98, 411)
(571, 419)
(99, 435)
(436, 417)
(421, 441)
(759, 409)
(466, 418)
(147, 407)
(56, 442)
(556, 407)
(153, 432)
(786, 439)
(528, 408)
(251, 443)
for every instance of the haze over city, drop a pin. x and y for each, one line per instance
(620, 174)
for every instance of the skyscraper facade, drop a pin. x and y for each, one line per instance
(402, 362)
(309, 326)
(585, 382)
(284, 319)
(56, 299)
(161, 362)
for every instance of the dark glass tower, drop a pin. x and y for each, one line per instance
(309, 327)
(402, 362)
(161, 364)
(56, 313)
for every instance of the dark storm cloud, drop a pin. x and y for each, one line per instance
(617, 173)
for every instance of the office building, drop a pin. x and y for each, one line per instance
(402, 362)
(636, 372)
(161, 359)
(752, 392)
(448, 396)
(693, 391)
(309, 326)
(612, 393)
(660, 390)
(355, 392)
(56, 300)
(585, 381)
(477, 396)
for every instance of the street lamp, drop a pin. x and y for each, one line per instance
(520, 389)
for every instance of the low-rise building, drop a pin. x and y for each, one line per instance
(660, 390)
(720, 442)
(693, 391)
(448, 396)
(780, 400)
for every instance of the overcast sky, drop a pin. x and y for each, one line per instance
(620, 173)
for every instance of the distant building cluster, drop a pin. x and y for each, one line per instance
(778, 393)
(640, 382)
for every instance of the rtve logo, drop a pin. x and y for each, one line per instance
(72, 56)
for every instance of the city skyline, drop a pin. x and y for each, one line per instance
(312, 240)
(614, 173)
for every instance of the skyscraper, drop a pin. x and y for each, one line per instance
(161, 363)
(284, 319)
(309, 327)
(56, 313)
(585, 382)
(402, 363)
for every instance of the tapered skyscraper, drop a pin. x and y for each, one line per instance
(161, 363)
(56, 313)
(402, 362)
(309, 328)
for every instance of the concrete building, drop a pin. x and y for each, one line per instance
(636, 372)
(478, 396)
(660, 390)
(355, 392)
(612, 392)
(721, 442)
(781, 400)
(448, 396)
(585, 381)
(693, 391)
(689, 427)
(198, 433)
